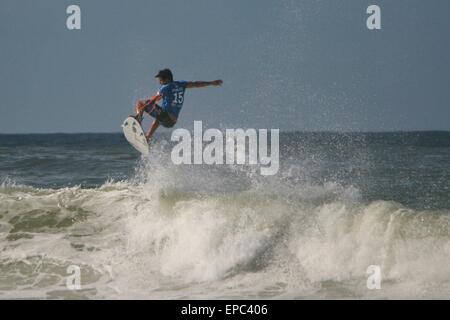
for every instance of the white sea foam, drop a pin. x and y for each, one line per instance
(155, 237)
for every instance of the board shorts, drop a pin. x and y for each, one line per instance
(159, 114)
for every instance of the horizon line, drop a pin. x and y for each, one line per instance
(281, 131)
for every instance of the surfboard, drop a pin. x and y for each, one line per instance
(135, 135)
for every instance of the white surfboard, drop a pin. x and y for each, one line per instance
(135, 135)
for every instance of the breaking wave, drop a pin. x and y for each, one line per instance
(174, 232)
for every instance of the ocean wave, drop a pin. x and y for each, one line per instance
(140, 238)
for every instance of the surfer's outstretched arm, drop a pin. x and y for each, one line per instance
(201, 84)
(152, 129)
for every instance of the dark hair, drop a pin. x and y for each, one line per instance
(165, 74)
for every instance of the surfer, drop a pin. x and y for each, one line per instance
(172, 94)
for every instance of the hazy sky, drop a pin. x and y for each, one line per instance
(293, 65)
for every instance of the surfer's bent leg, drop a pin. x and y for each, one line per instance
(141, 106)
(152, 130)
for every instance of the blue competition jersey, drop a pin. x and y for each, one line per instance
(173, 96)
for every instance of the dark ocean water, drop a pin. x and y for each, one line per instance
(408, 167)
(145, 228)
